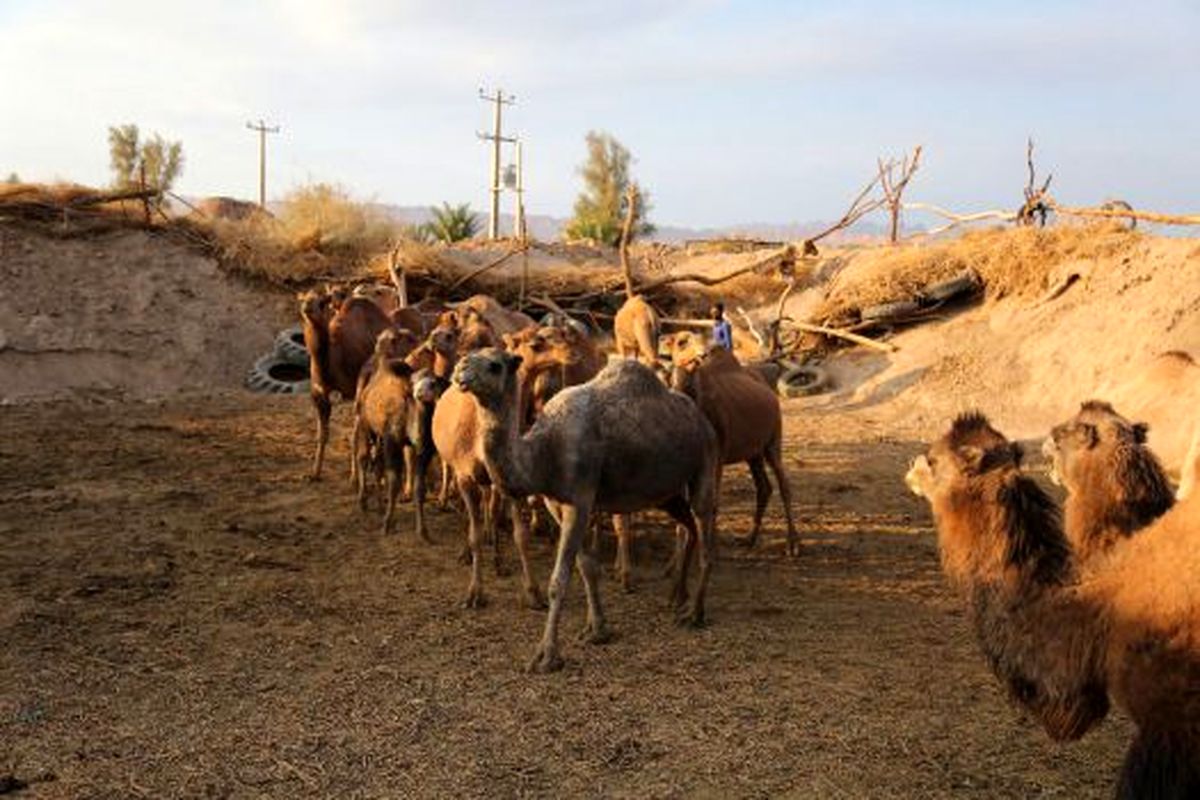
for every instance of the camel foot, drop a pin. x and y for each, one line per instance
(746, 541)
(312, 477)
(691, 618)
(474, 598)
(406, 497)
(464, 556)
(502, 569)
(793, 546)
(626, 582)
(595, 633)
(544, 662)
(534, 599)
(679, 599)
(425, 537)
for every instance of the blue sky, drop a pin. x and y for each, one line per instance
(736, 112)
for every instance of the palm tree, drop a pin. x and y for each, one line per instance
(454, 223)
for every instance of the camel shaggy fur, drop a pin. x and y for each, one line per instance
(599, 446)
(1069, 639)
(1115, 485)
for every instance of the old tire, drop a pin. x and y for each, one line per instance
(890, 311)
(289, 346)
(273, 375)
(803, 381)
(967, 282)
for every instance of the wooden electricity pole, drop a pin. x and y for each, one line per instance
(263, 129)
(496, 137)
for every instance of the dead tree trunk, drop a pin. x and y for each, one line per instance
(894, 185)
(1035, 206)
(631, 201)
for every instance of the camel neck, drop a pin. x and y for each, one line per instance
(507, 454)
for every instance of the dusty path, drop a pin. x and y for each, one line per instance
(183, 616)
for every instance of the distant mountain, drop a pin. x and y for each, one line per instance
(547, 228)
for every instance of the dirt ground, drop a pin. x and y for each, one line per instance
(184, 616)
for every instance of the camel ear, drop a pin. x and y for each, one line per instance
(1017, 453)
(971, 458)
(1090, 434)
(509, 341)
(1140, 429)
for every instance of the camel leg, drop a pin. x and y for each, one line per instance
(621, 528)
(595, 631)
(410, 468)
(679, 510)
(533, 595)
(570, 538)
(496, 502)
(324, 407)
(361, 457)
(775, 460)
(444, 490)
(762, 495)
(704, 504)
(1158, 766)
(355, 434)
(471, 501)
(392, 462)
(422, 467)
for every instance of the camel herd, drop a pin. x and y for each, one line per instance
(1075, 608)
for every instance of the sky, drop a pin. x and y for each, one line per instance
(736, 112)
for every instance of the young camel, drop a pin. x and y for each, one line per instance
(457, 436)
(1067, 640)
(599, 446)
(1115, 484)
(744, 411)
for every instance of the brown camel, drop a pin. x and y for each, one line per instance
(1191, 469)
(1069, 639)
(386, 411)
(744, 412)
(500, 319)
(1115, 485)
(599, 446)
(636, 329)
(340, 338)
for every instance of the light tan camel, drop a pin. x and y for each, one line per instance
(1115, 485)
(636, 330)
(744, 411)
(457, 436)
(500, 319)
(1067, 639)
(599, 446)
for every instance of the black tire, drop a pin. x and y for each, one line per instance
(967, 282)
(804, 382)
(274, 375)
(289, 346)
(890, 311)
(1121, 205)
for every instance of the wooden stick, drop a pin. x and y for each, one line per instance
(886, 347)
(1124, 213)
(631, 199)
(485, 268)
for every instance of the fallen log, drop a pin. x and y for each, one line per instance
(885, 347)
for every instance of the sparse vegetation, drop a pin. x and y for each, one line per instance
(453, 223)
(13, 178)
(129, 157)
(600, 208)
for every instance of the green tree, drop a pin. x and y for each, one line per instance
(453, 223)
(600, 208)
(129, 155)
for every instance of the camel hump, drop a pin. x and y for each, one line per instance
(628, 378)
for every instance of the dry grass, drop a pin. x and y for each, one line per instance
(1011, 261)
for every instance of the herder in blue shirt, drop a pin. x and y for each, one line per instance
(722, 331)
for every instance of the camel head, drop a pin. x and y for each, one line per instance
(541, 349)
(490, 374)
(338, 294)
(970, 451)
(443, 340)
(1096, 437)
(684, 349)
(315, 307)
(393, 345)
(427, 387)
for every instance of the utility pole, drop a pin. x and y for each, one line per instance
(499, 100)
(263, 129)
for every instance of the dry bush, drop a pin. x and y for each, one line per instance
(1011, 261)
(320, 232)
